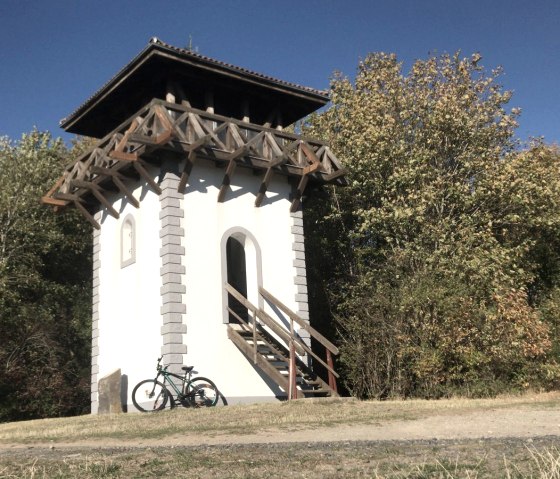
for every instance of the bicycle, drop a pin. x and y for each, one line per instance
(152, 395)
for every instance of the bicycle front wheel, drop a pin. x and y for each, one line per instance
(150, 396)
(201, 392)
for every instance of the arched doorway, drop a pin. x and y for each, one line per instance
(241, 267)
(237, 277)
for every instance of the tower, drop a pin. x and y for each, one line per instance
(194, 192)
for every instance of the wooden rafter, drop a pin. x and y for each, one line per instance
(296, 201)
(189, 163)
(87, 214)
(193, 134)
(49, 200)
(139, 166)
(116, 177)
(240, 152)
(123, 156)
(95, 190)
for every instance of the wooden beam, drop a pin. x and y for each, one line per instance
(236, 135)
(311, 156)
(101, 170)
(226, 181)
(335, 174)
(87, 215)
(189, 163)
(121, 144)
(209, 100)
(264, 186)
(67, 196)
(302, 324)
(195, 123)
(116, 177)
(56, 185)
(246, 111)
(210, 135)
(95, 191)
(299, 193)
(47, 200)
(310, 168)
(262, 363)
(243, 150)
(129, 142)
(144, 174)
(163, 116)
(281, 158)
(200, 143)
(112, 211)
(273, 143)
(121, 155)
(125, 191)
(164, 137)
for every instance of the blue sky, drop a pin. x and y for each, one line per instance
(55, 53)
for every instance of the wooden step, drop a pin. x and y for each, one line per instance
(274, 360)
(261, 362)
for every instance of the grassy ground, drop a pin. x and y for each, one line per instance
(402, 459)
(246, 419)
(135, 445)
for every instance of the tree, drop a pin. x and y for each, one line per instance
(45, 287)
(443, 236)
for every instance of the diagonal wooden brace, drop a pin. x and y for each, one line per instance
(97, 193)
(189, 163)
(139, 167)
(299, 193)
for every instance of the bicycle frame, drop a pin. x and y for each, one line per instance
(167, 380)
(184, 390)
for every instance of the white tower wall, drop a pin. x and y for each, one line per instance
(171, 298)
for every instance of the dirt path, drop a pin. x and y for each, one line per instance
(398, 442)
(513, 422)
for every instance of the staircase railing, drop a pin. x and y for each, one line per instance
(258, 317)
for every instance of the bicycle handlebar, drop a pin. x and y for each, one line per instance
(159, 367)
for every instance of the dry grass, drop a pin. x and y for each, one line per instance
(246, 419)
(452, 460)
(508, 458)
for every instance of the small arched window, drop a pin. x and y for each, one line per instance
(128, 241)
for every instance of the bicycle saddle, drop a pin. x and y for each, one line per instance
(187, 369)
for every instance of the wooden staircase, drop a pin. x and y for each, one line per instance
(279, 352)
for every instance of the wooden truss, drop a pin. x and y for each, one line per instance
(189, 134)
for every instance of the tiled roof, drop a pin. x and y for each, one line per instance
(156, 43)
(186, 52)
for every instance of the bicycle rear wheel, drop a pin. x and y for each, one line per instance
(201, 392)
(150, 395)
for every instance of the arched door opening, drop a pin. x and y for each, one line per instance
(237, 277)
(242, 268)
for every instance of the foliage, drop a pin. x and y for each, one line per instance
(446, 237)
(45, 287)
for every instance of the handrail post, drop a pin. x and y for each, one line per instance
(292, 394)
(332, 379)
(254, 336)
